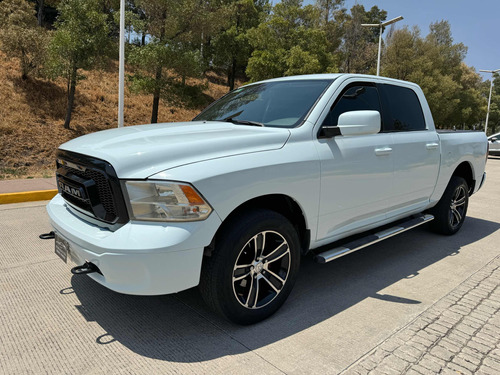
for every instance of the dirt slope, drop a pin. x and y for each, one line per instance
(32, 115)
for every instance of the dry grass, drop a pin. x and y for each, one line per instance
(32, 115)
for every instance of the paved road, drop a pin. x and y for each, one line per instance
(338, 316)
(458, 335)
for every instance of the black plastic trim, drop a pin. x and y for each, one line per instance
(329, 132)
(91, 203)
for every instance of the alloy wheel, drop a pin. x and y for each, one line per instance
(457, 206)
(261, 269)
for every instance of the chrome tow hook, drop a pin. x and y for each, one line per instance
(85, 269)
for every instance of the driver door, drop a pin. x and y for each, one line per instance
(356, 171)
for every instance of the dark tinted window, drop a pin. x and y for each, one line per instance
(279, 103)
(402, 109)
(355, 98)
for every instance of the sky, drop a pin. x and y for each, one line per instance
(473, 23)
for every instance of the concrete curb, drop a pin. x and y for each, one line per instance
(27, 196)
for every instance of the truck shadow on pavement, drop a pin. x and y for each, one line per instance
(180, 328)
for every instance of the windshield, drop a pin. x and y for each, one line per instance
(277, 104)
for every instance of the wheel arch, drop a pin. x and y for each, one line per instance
(465, 171)
(280, 203)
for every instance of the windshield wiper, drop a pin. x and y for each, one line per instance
(230, 117)
(245, 122)
(233, 120)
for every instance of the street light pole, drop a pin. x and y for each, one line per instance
(489, 97)
(381, 26)
(379, 50)
(121, 70)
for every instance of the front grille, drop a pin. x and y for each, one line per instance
(91, 186)
(103, 188)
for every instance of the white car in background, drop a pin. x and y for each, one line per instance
(494, 143)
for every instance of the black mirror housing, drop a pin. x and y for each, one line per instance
(329, 131)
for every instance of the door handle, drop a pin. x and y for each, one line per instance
(383, 151)
(432, 146)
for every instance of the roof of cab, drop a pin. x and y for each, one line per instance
(335, 76)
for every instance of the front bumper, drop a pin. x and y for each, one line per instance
(142, 258)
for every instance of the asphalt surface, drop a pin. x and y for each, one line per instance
(338, 313)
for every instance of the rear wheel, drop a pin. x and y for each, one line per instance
(449, 213)
(253, 267)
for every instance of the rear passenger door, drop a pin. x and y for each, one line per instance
(416, 149)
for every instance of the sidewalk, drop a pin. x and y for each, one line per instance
(26, 190)
(32, 184)
(460, 334)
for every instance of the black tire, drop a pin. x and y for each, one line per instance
(236, 246)
(449, 213)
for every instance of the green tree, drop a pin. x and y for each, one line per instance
(451, 88)
(332, 21)
(401, 57)
(494, 118)
(290, 41)
(80, 42)
(472, 105)
(435, 62)
(360, 44)
(231, 47)
(168, 59)
(329, 9)
(20, 37)
(163, 70)
(134, 22)
(447, 56)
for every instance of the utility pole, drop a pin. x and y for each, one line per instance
(121, 70)
(489, 98)
(381, 26)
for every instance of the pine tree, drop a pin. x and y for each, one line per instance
(80, 41)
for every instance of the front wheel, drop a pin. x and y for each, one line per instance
(449, 213)
(253, 267)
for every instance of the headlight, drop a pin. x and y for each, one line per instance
(165, 201)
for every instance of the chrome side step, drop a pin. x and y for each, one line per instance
(371, 239)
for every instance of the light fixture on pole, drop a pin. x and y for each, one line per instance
(489, 98)
(381, 26)
(121, 70)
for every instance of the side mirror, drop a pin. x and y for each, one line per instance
(494, 139)
(359, 122)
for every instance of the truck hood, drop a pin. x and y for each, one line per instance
(144, 150)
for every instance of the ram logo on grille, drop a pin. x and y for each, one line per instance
(75, 192)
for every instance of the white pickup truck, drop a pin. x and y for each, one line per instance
(315, 164)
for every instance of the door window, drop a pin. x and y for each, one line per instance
(354, 98)
(402, 109)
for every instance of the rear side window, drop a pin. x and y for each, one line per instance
(354, 98)
(402, 109)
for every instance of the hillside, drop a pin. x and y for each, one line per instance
(32, 115)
